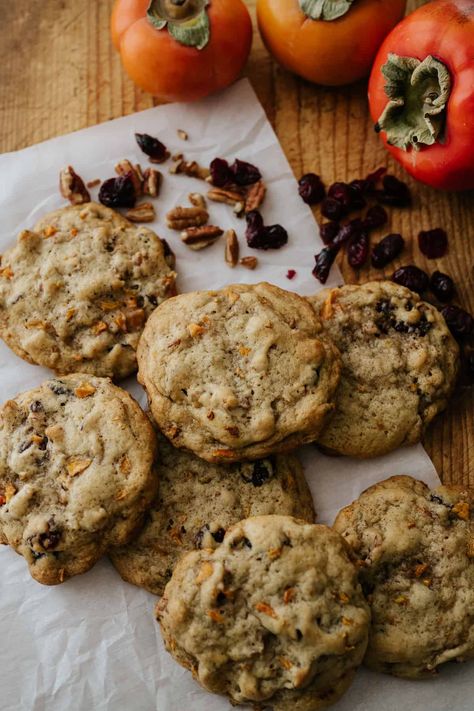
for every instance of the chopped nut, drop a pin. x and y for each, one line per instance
(401, 600)
(233, 431)
(215, 616)
(180, 218)
(219, 453)
(420, 569)
(151, 182)
(61, 575)
(177, 157)
(70, 313)
(244, 351)
(347, 621)
(10, 491)
(6, 272)
(182, 134)
(125, 465)
(99, 327)
(72, 187)
(288, 595)
(200, 237)
(249, 262)
(84, 390)
(108, 305)
(275, 553)
(470, 548)
(37, 324)
(121, 321)
(210, 415)
(50, 230)
(124, 167)
(343, 597)
(93, 183)
(197, 200)
(266, 609)
(205, 572)
(120, 495)
(74, 231)
(172, 431)
(144, 212)
(135, 319)
(461, 509)
(255, 196)
(76, 466)
(285, 663)
(55, 433)
(190, 168)
(195, 330)
(231, 248)
(427, 582)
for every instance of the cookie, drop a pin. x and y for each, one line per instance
(416, 556)
(76, 474)
(75, 293)
(238, 374)
(274, 615)
(198, 501)
(399, 366)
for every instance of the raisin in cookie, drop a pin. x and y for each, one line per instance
(76, 474)
(198, 501)
(416, 554)
(75, 293)
(274, 614)
(399, 366)
(239, 373)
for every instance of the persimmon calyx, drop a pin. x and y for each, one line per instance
(185, 20)
(325, 9)
(418, 92)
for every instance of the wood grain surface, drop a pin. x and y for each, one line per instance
(59, 72)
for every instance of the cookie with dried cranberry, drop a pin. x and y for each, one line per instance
(273, 617)
(75, 292)
(399, 366)
(416, 559)
(198, 501)
(76, 474)
(238, 374)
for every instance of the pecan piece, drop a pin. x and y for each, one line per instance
(72, 187)
(233, 197)
(180, 218)
(144, 212)
(182, 134)
(200, 237)
(255, 196)
(135, 319)
(151, 182)
(231, 248)
(93, 183)
(249, 262)
(124, 167)
(190, 168)
(197, 200)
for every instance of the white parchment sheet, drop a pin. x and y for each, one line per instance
(92, 644)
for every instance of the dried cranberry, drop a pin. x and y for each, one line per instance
(459, 322)
(49, 540)
(356, 190)
(373, 178)
(311, 188)
(394, 192)
(412, 277)
(260, 237)
(328, 231)
(358, 249)
(386, 250)
(442, 286)
(375, 217)
(348, 231)
(221, 174)
(332, 209)
(154, 148)
(275, 236)
(245, 173)
(469, 363)
(118, 192)
(341, 192)
(218, 535)
(433, 243)
(324, 261)
(290, 274)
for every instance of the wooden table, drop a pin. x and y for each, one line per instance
(59, 72)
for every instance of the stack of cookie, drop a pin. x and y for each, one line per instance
(211, 510)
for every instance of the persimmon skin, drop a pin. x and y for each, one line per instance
(329, 53)
(161, 66)
(444, 29)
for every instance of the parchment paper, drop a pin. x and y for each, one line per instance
(91, 644)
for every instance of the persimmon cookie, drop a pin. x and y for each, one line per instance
(273, 617)
(76, 474)
(239, 373)
(198, 501)
(76, 291)
(399, 366)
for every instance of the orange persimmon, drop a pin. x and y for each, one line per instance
(182, 50)
(339, 47)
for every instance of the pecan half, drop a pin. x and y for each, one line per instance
(72, 187)
(151, 182)
(200, 237)
(255, 196)
(231, 248)
(249, 262)
(124, 167)
(191, 168)
(233, 197)
(144, 212)
(180, 218)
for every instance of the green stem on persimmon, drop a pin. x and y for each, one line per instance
(185, 20)
(325, 9)
(418, 92)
